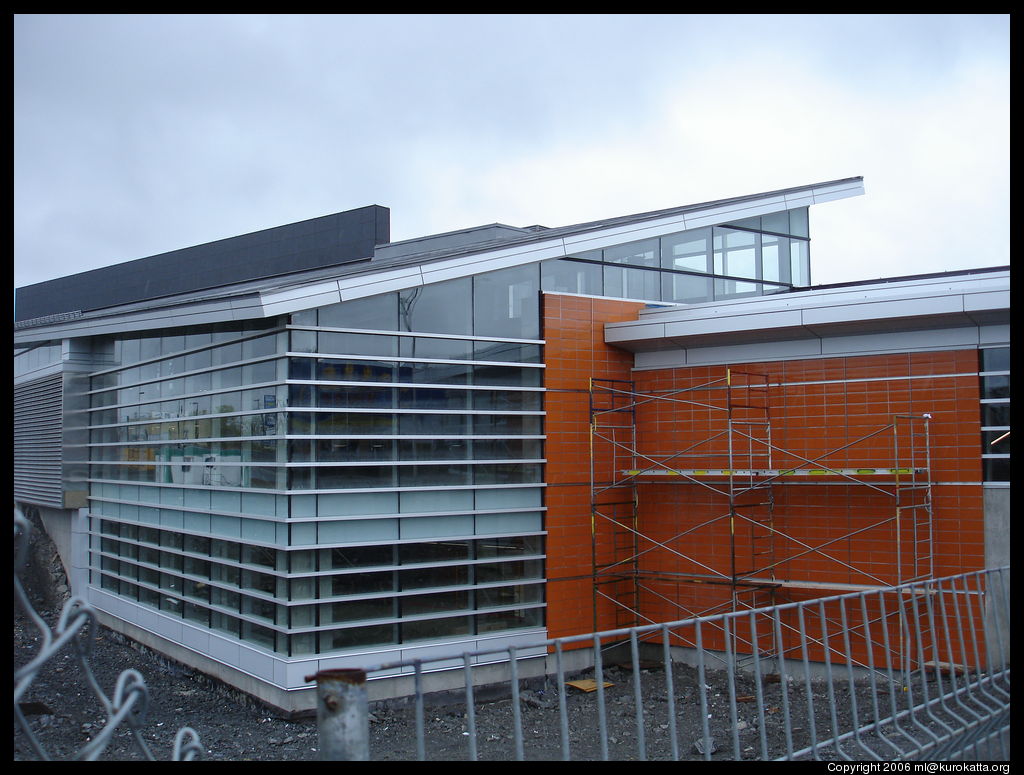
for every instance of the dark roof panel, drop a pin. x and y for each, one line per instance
(330, 240)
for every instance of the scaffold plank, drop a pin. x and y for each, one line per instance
(773, 472)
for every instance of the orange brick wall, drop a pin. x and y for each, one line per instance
(815, 407)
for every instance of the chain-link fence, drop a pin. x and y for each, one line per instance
(75, 632)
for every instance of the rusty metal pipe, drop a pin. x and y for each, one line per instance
(342, 715)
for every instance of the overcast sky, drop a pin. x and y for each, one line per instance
(136, 135)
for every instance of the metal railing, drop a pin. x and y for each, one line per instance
(918, 671)
(75, 631)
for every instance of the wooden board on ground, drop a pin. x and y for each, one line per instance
(587, 684)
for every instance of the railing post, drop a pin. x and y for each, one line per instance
(342, 715)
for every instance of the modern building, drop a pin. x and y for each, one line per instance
(310, 447)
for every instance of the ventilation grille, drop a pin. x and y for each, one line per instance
(37, 441)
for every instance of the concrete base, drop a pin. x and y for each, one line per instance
(57, 523)
(288, 703)
(997, 555)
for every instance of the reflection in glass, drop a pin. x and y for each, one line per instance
(687, 251)
(561, 276)
(375, 313)
(800, 262)
(620, 282)
(439, 308)
(995, 414)
(686, 288)
(644, 253)
(995, 359)
(773, 250)
(505, 303)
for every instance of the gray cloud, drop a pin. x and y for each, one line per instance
(136, 135)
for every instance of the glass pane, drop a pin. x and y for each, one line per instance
(632, 283)
(995, 359)
(426, 475)
(434, 449)
(996, 442)
(506, 425)
(350, 450)
(356, 637)
(645, 253)
(434, 424)
(997, 469)
(379, 313)
(501, 596)
(774, 258)
(303, 341)
(433, 398)
(798, 225)
(561, 276)
(776, 222)
(748, 223)
(995, 386)
(425, 578)
(439, 308)
(740, 248)
(687, 250)
(356, 557)
(360, 424)
(306, 317)
(507, 375)
(356, 610)
(686, 289)
(434, 373)
(434, 604)
(261, 636)
(436, 628)
(355, 371)
(510, 620)
(506, 400)
(352, 396)
(439, 551)
(995, 415)
(360, 583)
(506, 303)
(356, 344)
(356, 476)
(513, 352)
(800, 262)
(427, 347)
(508, 547)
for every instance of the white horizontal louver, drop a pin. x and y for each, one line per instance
(38, 412)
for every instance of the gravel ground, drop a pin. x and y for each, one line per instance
(64, 713)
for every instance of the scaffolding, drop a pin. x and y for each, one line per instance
(733, 460)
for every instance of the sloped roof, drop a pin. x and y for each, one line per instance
(411, 263)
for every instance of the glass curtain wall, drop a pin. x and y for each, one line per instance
(756, 256)
(364, 474)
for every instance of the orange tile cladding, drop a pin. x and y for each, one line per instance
(838, 533)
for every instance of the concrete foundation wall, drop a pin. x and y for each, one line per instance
(997, 527)
(997, 555)
(57, 523)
